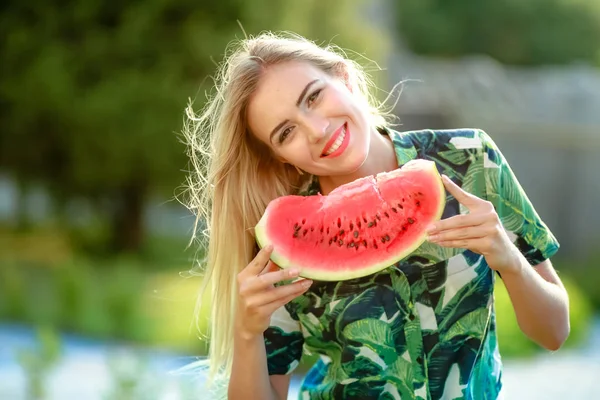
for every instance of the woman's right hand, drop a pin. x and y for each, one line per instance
(258, 298)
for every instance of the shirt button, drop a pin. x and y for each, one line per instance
(411, 317)
(419, 360)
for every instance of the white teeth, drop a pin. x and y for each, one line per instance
(336, 145)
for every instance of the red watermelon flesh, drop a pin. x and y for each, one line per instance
(359, 228)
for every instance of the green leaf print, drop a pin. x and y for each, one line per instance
(404, 155)
(458, 157)
(472, 324)
(401, 370)
(435, 253)
(375, 335)
(401, 375)
(414, 345)
(332, 350)
(472, 182)
(401, 287)
(507, 197)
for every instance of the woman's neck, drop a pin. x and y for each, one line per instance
(381, 158)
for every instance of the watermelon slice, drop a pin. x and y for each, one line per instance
(359, 228)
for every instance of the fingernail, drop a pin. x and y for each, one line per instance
(269, 247)
(430, 228)
(432, 238)
(294, 272)
(307, 283)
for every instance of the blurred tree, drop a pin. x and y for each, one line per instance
(92, 93)
(523, 32)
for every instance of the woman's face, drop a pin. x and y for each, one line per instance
(310, 119)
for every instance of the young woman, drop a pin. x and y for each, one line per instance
(290, 117)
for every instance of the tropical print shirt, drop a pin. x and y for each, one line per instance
(423, 328)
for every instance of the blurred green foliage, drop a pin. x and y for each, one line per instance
(92, 94)
(123, 298)
(38, 362)
(524, 32)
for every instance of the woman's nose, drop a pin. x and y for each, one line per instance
(317, 128)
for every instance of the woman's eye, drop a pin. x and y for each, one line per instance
(313, 97)
(285, 134)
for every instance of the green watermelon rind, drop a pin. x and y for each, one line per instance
(323, 275)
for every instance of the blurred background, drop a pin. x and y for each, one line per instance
(97, 286)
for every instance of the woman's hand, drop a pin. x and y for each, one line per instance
(258, 297)
(479, 231)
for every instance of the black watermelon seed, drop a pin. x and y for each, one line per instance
(351, 226)
(341, 232)
(304, 232)
(355, 234)
(341, 242)
(394, 209)
(418, 203)
(312, 229)
(386, 214)
(411, 221)
(365, 243)
(387, 238)
(378, 217)
(351, 244)
(370, 224)
(321, 230)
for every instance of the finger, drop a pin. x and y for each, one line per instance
(259, 262)
(281, 293)
(477, 245)
(465, 198)
(301, 287)
(455, 222)
(473, 232)
(458, 244)
(267, 280)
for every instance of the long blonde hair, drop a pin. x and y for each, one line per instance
(234, 175)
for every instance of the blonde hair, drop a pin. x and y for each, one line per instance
(234, 175)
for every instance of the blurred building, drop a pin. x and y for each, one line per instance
(546, 120)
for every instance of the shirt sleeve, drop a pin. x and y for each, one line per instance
(283, 342)
(519, 218)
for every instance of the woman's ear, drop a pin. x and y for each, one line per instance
(279, 158)
(342, 73)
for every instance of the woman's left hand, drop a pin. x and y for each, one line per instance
(479, 231)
